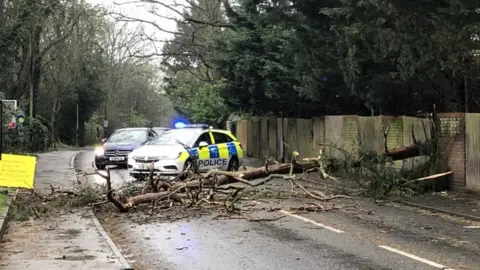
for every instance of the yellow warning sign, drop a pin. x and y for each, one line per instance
(17, 171)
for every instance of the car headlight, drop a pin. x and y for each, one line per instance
(99, 151)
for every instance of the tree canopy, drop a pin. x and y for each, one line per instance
(78, 63)
(307, 58)
(296, 58)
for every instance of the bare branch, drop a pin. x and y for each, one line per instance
(186, 17)
(60, 39)
(123, 18)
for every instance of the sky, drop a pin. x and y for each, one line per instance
(136, 9)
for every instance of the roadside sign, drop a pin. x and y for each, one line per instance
(12, 124)
(105, 123)
(17, 171)
(10, 105)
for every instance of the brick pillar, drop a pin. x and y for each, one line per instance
(451, 131)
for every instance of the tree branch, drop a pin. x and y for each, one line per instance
(58, 40)
(123, 18)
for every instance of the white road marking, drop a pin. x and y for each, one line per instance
(311, 221)
(411, 256)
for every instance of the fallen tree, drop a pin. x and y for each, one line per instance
(202, 188)
(192, 188)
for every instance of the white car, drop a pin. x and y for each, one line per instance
(213, 148)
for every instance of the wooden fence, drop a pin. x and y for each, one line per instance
(460, 132)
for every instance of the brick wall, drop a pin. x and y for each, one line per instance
(350, 134)
(395, 131)
(452, 135)
(394, 135)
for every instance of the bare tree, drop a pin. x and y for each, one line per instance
(36, 17)
(194, 21)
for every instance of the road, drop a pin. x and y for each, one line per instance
(372, 237)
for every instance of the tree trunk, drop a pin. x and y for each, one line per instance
(37, 66)
(81, 128)
(18, 88)
(53, 122)
(251, 174)
(405, 152)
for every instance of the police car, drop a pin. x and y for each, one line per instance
(212, 148)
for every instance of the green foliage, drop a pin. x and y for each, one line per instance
(378, 176)
(383, 178)
(281, 63)
(26, 138)
(93, 133)
(198, 100)
(192, 83)
(309, 58)
(3, 201)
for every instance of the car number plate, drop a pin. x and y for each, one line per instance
(144, 166)
(117, 158)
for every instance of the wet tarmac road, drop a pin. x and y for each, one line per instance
(237, 244)
(293, 242)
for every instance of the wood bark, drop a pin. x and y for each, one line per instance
(221, 178)
(404, 152)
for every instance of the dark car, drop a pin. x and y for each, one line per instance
(116, 148)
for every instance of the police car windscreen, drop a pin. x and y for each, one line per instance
(128, 135)
(186, 136)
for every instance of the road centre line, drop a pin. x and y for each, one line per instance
(411, 256)
(311, 221)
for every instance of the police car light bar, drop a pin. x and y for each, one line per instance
(182, 125)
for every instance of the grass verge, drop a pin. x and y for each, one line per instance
(3, 202)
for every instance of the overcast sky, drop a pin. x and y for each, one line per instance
(141, 10)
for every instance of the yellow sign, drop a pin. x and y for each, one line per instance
(17, 171)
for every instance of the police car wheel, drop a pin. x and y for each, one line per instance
(233, 165)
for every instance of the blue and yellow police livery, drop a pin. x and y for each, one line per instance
(212, 148)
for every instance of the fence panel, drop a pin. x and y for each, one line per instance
(371, 134)
(318, 128)
(333, 136)
(242, 133)
(255, 140)
(290, 131)
(304, 137)
(250, 139)
(263, 144)
(280, 146)
(272, 137)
